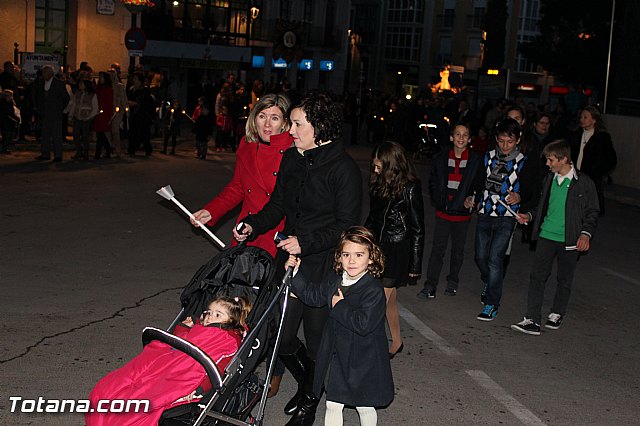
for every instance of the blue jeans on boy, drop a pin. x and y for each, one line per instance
(492, 239)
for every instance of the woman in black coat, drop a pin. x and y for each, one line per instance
(319, 193)
(592, 151)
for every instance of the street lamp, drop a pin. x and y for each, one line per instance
(137, 6)
(606, 84)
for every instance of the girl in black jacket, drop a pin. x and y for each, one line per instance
(352, 363)
(396, 218)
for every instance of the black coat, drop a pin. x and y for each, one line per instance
(400, 219)
(599, 156)
(49, 104)
(319, 193)
(353, 359)
(440, 176)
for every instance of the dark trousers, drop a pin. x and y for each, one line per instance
(7, 138)
(442, 230)
(82, 136)
(102, 141)
(173, 134)
(139, 134)
(314, 321)
(202, 146)
(492, 239)
(546, 252)
(52, 136)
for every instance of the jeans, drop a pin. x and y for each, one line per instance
(546, 252)
(441, 231)
(492, 239)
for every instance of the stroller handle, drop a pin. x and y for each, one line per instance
(151, 333)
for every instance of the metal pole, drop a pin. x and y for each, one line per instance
(606, 85)
(132, 59)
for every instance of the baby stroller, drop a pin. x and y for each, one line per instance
(239, 271)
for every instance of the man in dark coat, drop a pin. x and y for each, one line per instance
(50, 100)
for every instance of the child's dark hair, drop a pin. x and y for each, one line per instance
(239, 308)
(510, 127)
(360, 235)
(397, 170)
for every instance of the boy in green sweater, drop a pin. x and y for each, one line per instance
(565, 222)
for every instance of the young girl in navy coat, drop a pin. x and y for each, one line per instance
(353, 362)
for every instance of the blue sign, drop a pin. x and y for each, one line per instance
(326, 65)
(305, 65)
(257, 62)
(280, 63)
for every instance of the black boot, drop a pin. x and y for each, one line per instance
(306, 414)
(296, 363)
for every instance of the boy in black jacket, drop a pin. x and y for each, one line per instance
(203, 127)
(565, 222)
(451, 190)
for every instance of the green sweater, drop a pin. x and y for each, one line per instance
(552, 227)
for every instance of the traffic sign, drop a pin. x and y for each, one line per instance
(135, 39)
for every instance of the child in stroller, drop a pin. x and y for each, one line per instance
(167, 377)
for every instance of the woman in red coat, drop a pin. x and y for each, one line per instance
(257, 162)
(102, 122)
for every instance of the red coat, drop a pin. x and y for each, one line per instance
(102, 122)
(252, 184)
(161, 375)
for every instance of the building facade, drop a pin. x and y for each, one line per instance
(74, 30)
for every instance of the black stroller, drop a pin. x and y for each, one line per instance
(239, 271)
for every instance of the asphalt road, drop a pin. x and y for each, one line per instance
(89, 255)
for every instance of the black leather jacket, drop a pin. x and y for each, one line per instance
(400, 219)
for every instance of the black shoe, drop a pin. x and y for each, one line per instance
(400, 349)
(554, 321)
(450, 291)
(527, 326)
(427, 293)
(306, 413)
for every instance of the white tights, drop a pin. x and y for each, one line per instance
(333, 415)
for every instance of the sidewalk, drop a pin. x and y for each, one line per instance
(621, 194)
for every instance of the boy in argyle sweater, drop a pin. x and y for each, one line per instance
(510, 182)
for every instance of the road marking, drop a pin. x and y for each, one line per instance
(621, 276)
(517, 409)
(427, 332)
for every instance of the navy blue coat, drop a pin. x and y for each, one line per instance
(353, 359)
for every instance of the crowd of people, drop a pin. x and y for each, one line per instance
(512, 165)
